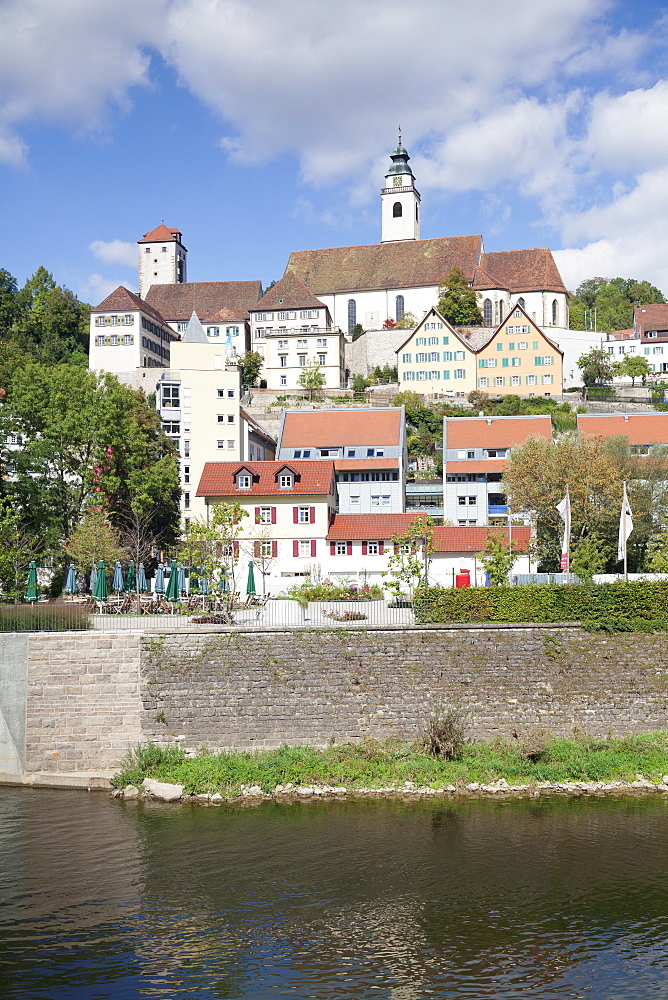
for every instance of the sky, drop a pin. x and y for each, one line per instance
(258, 127)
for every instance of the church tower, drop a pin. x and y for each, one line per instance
(400, 200)
(162, 259)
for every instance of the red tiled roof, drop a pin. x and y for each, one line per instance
(622, 334)
(341, 428)
(206, 298)
(651, 317)
(521, 271)
(639, 428)
(289, 293)
(495, 432)
(161, 234)
(121, 299)
(346, 464)
(313, 478)
(405, 264)
(446, 539)
(477, 466)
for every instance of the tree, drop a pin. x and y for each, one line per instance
(657, 554)
(359, 385)
(498, 558)
(591, 555)
(408, 564)
(358, 330)
(261, 551)
(597, 367)
(94, 538)
(209, 546)
(457, 301)
(51, 322)
(250, 365)
(312, 378)
(635, 366)
(139, 540)
(19, 543)
(407, 322)
(389, 323)
(607, 303)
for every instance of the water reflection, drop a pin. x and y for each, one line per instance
(551, 900)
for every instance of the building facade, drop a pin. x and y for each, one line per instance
(126, 333)
(162, 258)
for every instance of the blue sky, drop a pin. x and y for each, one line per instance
(263, 126)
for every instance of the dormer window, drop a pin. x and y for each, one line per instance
(285, 481)
(243, 481)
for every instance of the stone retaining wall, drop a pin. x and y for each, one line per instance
(89, 697)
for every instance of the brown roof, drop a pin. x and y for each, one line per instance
(445, 539)
(639, 428)
(651, 317)
(405, 264)
(494, 432)
(121, 298)
(340, 428)
(289, 293)
(312, 478)
(520, 271)
(348, 464)
(206, 298)
(622, 334)
(161, 234)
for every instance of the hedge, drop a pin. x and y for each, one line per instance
(606, 602)
(43, 618)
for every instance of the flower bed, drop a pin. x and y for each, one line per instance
(345, 616)
(329, 591)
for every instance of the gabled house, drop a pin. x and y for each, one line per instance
(436, 359)
(518, 359)
(127, 333)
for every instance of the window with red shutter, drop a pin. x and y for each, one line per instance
(295, 546)
(332, 548)
(364, 548)
(312, 515)
(295, 515)
(349, 548)
(312, 548)
(257, 515)
(274, 548)
(381, 547)
(273, 515)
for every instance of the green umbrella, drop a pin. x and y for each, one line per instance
(118, 585)
(250, 585)
(71, 581)
(31, 593)
(101, 592)
(172, 592)
(131, 582)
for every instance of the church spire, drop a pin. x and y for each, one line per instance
(400, 199)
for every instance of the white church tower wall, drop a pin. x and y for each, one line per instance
(162, 259)
(400, 200)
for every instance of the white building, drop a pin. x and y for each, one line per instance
(292, 330)
(222, 307)
(199, 402)
(127, 333)
(402, 273)
(162, 258)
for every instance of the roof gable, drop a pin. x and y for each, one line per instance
(404, 264)
(161, 235)
(433, 312)
(123, 299)
(532, 270)
(194, 332)
(509, 321)
(341, 428)
(218, 479)
(289, 293)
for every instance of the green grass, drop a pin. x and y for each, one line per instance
(372, 764)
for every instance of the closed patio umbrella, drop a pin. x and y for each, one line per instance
(182, 579)
(172, 592)
(31, 593)
(93, 578)
(71, 581)
(204, 585)
(159, 585)
(131, 581)
(119, 583)
(101, 592)
(250, 583)
(223, 578)
(143, 586)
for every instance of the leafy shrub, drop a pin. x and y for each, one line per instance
(328, 591)
(640, 601)
(445, 735)
(43, 618)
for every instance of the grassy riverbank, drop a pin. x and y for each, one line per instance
(376, 765)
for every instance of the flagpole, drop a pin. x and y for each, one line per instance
(624, 506)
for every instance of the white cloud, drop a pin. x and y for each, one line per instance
(115, 252)
(95, 288)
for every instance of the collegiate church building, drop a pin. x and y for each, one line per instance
(369, 284)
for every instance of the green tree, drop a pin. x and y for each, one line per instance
(358, 330)
(19, 543)
(250, 366)
(597, 367)
(312, 378)
(498, 558)
(408, 321)
(457, 301)
(94, 538)
(657, 554)
(408, 564)
(607, 303)
(592, 554)
(52, 323)
(209, 546)
(635, 366)
(359, 385)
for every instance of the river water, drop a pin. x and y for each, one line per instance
(554, 898)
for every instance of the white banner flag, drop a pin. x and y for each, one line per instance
(564, 509)
(625, 525)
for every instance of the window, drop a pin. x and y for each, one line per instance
(461, 501)
(186, 499)
(459, 355)
(282, 315)
(375, 501)
(405, 358)
(186, 474)
(535, 345)
(385, 501)
(114, 320)
(284, 379)
(496, 453)
(372, 548)
(171, 396)
(265, 547)
(354, 500)
(352, 315)
(186, 449)
(264, 517)
(128, 320)
(459, 373)
(304, 515)
(127, 339)
(397, 210)
(221, 418)
(213, 331)
(487, 311)
(243, 482)
(304, 548)
(282, 345)
(515, 380)
(147, 249)
(523, 345)
(171, 427)
(399, 308)
(327, 453)
(554, 312)
(283, 360)
(522, 303)
(657, 350)
(220, 445)
(531, 379)
(285, 481)
(340, 549)
(322, 359)
(230, 418)
(501, 311)
(499, 380)
(301, 360)
(499, 346)
(548, 379)
(483, 382)
(230, 444)
(100, 343)
(515, 362)
(446, 340)
(491, 362)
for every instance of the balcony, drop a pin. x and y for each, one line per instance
(497, 509)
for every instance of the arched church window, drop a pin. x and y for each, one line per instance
(397, 210)
(352, 315)
(487, 309)
(522, 303)
(554, 312)
(501, 311)
(399, 308)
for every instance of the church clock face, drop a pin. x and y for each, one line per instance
(397, 182)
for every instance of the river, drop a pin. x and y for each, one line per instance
(552, 898)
